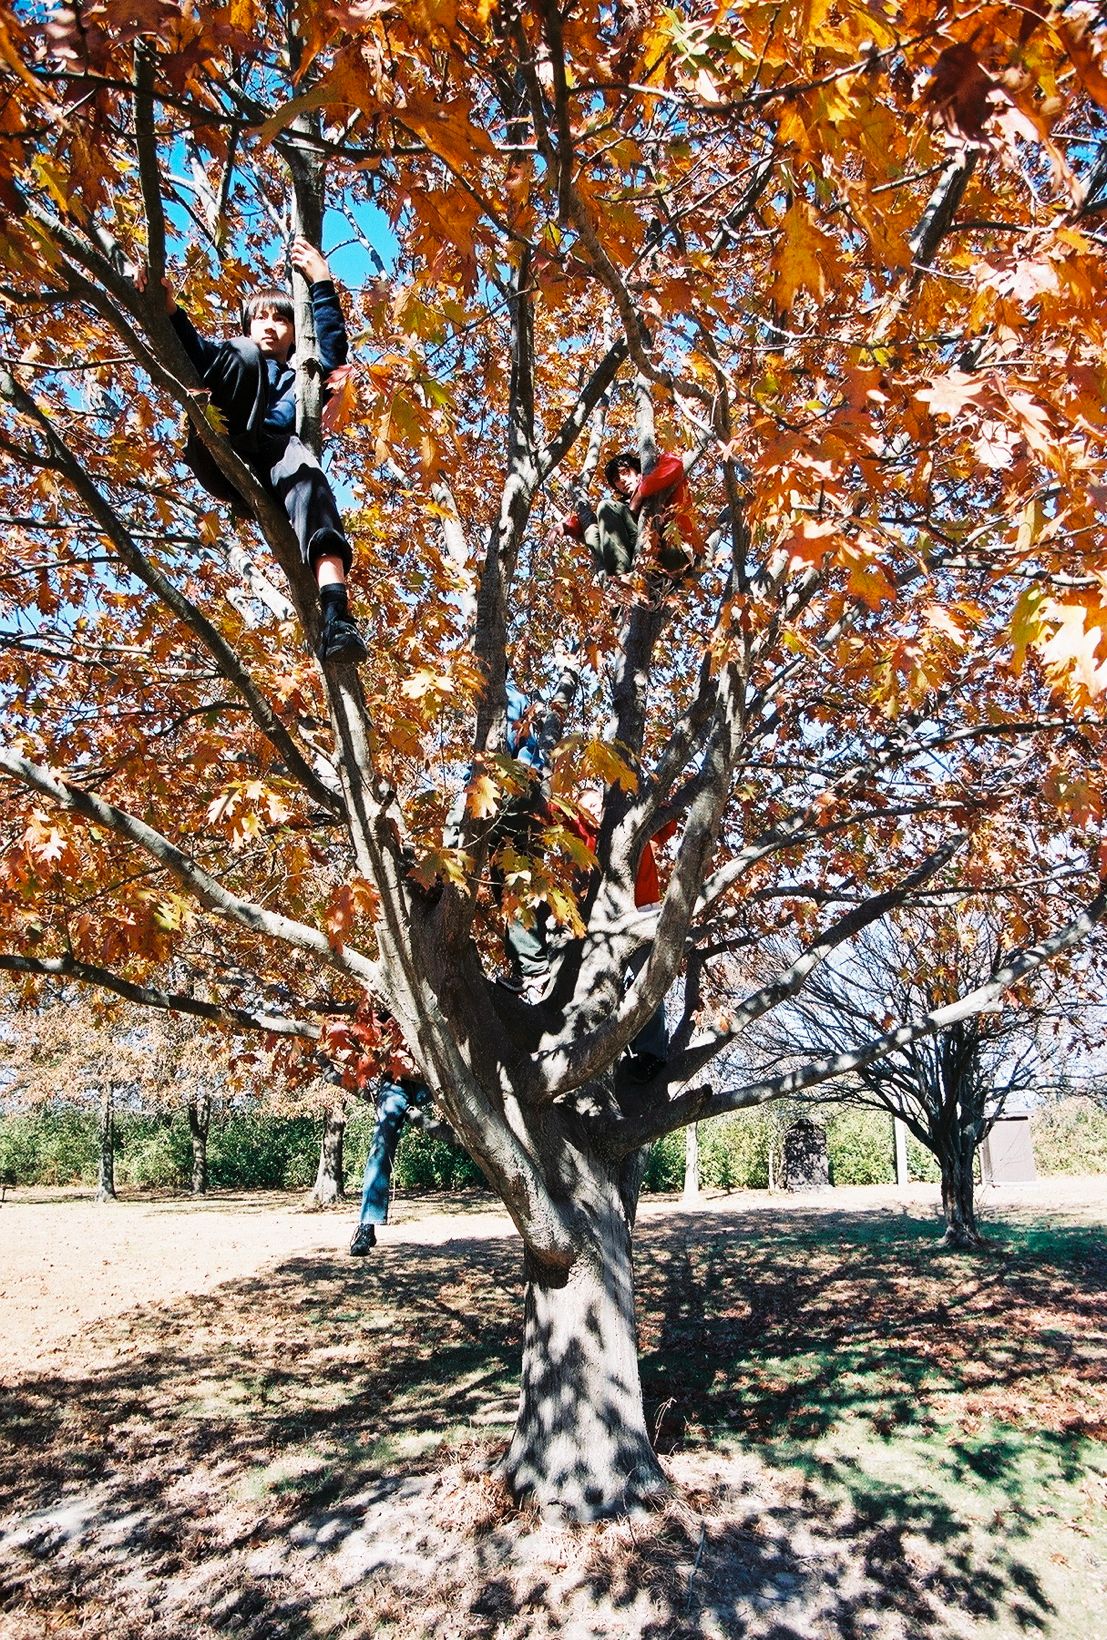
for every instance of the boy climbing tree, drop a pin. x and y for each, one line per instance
(252, 382)
(613, 531)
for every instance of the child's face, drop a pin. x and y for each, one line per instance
(625, 481)
(273, 335)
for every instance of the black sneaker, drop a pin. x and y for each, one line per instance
(643, 1067)
(365, 1237)
(341, 644)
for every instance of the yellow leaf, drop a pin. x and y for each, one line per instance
(1026, 623)
(599, 761)
(1030, 525)
(450, 865)
(482, 797)
(804, 256)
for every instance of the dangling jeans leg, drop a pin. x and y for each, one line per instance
(394, 1101)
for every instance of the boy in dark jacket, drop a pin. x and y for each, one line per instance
(253, 383)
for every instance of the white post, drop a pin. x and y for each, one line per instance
(900, 1131)
(692, 1163)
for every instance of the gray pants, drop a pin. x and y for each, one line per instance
(611, 536)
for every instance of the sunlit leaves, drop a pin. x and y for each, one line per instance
(245, 808)
(342, 398)
(805, 258)
(580, 760)
(352, 903)
(922, 442)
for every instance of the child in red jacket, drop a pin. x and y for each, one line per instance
(612, 534)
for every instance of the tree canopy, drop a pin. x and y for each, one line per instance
(846, 258)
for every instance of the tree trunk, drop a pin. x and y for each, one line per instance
(580, 1445)
(330, 1183)
(957, 1197)
(105, 1184)
(199, 1121)
(692, 1163)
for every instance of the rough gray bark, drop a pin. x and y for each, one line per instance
(581, 1446)
(958, 1201)
(330, 1185)
(105, 1182)
(199, 1123)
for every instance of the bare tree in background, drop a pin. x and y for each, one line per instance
(948, 1087)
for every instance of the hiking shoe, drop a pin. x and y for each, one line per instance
(341, 644)
(365, 1238)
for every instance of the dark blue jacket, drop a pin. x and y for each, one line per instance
(331, 342)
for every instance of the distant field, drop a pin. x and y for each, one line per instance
(215, 1422)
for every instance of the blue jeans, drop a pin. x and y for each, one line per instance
(394, 1100)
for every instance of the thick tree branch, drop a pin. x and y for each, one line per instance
(589, 398)
(205, 888)
(63, 460)
(490, 630)
(149, 996)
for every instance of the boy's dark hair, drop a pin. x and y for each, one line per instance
(625, 458)
(267, 301)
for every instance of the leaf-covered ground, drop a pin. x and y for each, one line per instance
(868, 1436)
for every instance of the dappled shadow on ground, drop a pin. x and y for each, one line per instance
(303, 1452)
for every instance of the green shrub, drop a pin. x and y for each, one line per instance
(19, 1150)
(1070, 1136)
(60, 1145)
(665, 1164)
(734, 1151)
(263, 1152)
(155, 1152)
(54, 1146)
(734, 1155)
(423, 1161)
(860, 1148)
(922, 1164)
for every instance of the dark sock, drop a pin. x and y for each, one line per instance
(332, 601)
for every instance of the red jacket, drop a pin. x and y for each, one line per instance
(647, 884)
(668, 479)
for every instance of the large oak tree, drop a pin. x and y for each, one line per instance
(846, 256)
